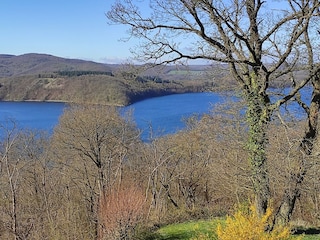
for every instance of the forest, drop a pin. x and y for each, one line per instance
(94, 177)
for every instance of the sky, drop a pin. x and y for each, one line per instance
(65, 28)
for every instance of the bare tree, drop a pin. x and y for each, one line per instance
(94, 141)
(10, 166)
(261, 45)
(25, 206)
(309, 144)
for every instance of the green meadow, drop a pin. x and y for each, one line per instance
(197, 230)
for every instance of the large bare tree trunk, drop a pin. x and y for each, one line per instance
(310, 145)
(257, 117)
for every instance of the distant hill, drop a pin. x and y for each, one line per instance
(33, 63)
(42, 77)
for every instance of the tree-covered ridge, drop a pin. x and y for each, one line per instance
(80, 73)
(40, 77)
(32, 64)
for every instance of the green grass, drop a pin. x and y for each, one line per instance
(310, 234)
(190, 230)
(311, 237)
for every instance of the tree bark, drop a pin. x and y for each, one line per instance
(257, 117)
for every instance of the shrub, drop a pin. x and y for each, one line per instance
(121, 211)
(245, 224)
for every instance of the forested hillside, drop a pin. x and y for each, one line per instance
(41, 77)
(32, 63)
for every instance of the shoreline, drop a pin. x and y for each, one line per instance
(134, 98)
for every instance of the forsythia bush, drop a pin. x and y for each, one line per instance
(246, 225)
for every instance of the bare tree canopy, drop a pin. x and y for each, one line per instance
(215, 30)
(263, 42)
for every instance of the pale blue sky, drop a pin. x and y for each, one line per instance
(64, 28)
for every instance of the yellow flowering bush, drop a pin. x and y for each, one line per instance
(247, 225)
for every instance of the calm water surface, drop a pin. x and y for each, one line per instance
(164, 114)
(31, 115)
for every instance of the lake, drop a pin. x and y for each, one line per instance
(31, 115)
(165, 114)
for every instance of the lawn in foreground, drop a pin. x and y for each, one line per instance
(190, 230)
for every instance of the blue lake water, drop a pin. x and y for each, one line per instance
(164, 114)
(31, 115)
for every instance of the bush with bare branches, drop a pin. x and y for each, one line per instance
(121, 211)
